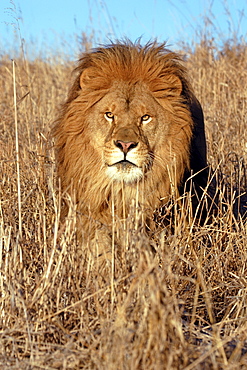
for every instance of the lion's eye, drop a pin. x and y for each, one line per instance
(109, 116)
(146, 118)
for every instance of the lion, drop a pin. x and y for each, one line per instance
(131, 132)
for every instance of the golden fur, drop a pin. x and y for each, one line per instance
(127, 103)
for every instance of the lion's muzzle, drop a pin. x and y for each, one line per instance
(126, 155)
(122, 162)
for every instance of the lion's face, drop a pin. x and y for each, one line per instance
(127, 128)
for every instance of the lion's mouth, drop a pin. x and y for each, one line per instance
(123, 164)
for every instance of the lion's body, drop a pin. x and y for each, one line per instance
(124, 135)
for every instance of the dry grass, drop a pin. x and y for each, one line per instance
(180, 304)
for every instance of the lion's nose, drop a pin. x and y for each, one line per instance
(125, 146)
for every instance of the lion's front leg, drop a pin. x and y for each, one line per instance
(101, 244)
(96, 242)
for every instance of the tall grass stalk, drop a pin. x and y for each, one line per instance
(17, 152)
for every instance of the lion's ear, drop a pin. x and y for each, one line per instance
(167, 85)
(86, 76)
(175, 84)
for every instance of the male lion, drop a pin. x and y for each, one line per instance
(130, 132)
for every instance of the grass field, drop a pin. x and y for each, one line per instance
(183, 306)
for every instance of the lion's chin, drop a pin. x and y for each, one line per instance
(124, 171)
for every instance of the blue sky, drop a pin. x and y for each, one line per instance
(54, 24)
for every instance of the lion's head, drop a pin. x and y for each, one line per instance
(126, 127)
